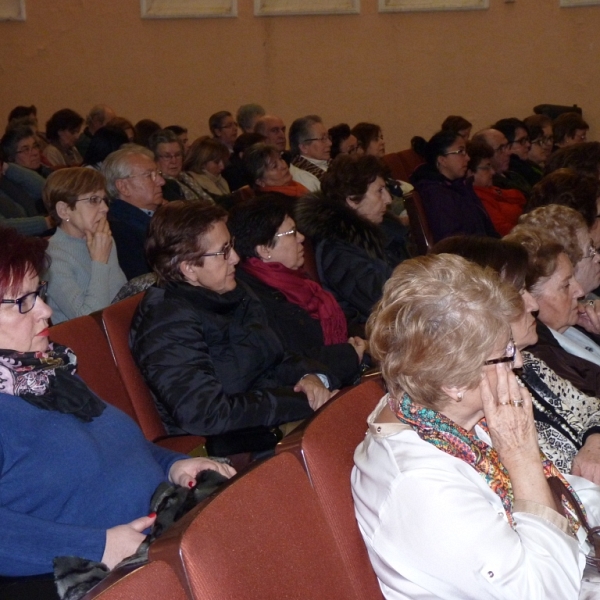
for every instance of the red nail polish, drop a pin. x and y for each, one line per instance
(191, 484)
(152, 515)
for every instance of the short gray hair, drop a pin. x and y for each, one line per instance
(117, 165)
(300, 131)
(247, 113)
(163, 136)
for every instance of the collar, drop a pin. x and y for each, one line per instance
(322, 164)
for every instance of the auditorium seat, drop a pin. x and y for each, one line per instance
(262, 537)
(403, 163)
(419, 227)
(116, 320)
(326, 447)
(153, 581)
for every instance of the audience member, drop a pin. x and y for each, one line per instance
(135, 185)
(247, 115)
(62, 131)
(103, 142)
(342, 140)
(223, 128)
(84, 273)
(20, 146)
(369, 139)
(310, 146)
(143, 130)
(125, 125)
(205, 161)
(539, 128)
(98, 117)
(273, 128)
(235, 172)
(182, 134)
(583, 158)
(569, 129)
(459, 125)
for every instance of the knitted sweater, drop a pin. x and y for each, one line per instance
(77, 285)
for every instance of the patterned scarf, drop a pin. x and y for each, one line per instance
(47, 380)
(447, 436)
(306, 165)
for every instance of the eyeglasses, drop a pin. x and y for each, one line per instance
(28, 149)
(170, 156)
(27, 301)
(461, 152)
(522, 141)
(290, 232)
(544, 141)
(225, 253)
(591, 251)
(228, 126)
(154, 175)
(501, 149)
(95, 200)
(509, 357)
(323, 138)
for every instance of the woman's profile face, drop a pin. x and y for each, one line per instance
(374, 203)
(587, 270)
(288, 249)
(215, 167)
(218, 271)
(170, 158)
(276, 173)
(524, 330)
(28, 153)
(89, 211)
(453, 162)
(557, 296)
(68, 137)
(376, 146)
(25, 332)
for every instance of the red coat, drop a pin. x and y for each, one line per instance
(503, 206)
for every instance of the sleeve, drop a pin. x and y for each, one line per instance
(456, 544)
(26, 225)
(64, 290)
(351, 275)
(29, 180)
(165, 458)
(173, 356)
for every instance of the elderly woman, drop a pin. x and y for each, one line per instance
(270, 173)
(307, 318)
(202, 340)
(369, 139)
(87, 499)
(62, 131)
(450, 204)
(84, 273)
(169, 152)
(21, 146)
(357, 245)
(567, 421)
(205, 162)
(451, 495)
(342, 140)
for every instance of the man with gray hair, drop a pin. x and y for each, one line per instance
(310, 145)
(135, 185)
(99, 116)
(247, 116)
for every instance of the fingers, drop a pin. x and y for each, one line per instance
(142, 523)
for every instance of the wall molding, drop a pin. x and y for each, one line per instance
(187, 9)
(12, 10)
(270, 8)
(429, 5)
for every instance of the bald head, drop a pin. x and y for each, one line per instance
(273, 128)
(499, 144)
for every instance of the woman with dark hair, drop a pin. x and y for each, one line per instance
(95, 472)
(583, 158)
(203, 342)
(450, 204)
(235, 172)
(504, 206)
(307, 318)
(205, 161)
(63, 130)
(125, 124)
(357, 242)
(343, 141)
(459, 125)
(143, 130)
(21, 146)
(105, 141)
(369, 139)
(539, 128)
(270, 173)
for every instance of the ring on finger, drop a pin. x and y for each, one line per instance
(517, 402)
(504, 403)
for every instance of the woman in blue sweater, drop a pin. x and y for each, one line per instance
(76, 474)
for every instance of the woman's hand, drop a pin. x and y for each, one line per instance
(123, 541)
(359, 345)
(588, 317)
(587, 461)
(100, 242)
(183, 472)
(315, 391)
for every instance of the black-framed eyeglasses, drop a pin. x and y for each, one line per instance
(509, 355)
(225, 253)
(544, 141)
(27, 301)
(502, 148)
(522, 141)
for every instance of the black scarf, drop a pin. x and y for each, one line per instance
(47, 380)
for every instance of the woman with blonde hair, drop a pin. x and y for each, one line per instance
(84, 273)
(205, 161)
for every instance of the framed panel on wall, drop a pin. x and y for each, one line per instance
(12, 10)
(305, 7)
(182, 9)
(578, 2)
(412, 5)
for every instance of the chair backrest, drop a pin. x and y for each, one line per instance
(327, 449)
(153, 581)
(419, 226)
(402, 164)
(95, 364)
(310, 262)
(262, 537)
(117, 319)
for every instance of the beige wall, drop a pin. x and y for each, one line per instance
(403, 71)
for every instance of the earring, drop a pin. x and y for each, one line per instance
(459, 396)
(67, 220)
(268, 257)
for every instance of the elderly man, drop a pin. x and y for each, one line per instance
(503, 177)
(135, 185)
(273, 128)
(98, 117)
(310, 145)
(247, 115)
(223, 128)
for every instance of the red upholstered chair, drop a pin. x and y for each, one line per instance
(310, 263)
(327, 447)
(262, 537)
(403, 163)
(154, 581)
(419, 227)
(95, 365)
(116, 320)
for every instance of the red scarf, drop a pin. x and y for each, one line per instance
(293, 189)
(307, 294)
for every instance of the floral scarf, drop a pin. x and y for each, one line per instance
(47, 380)
(447, 436)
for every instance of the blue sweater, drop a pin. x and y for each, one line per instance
(63, 483)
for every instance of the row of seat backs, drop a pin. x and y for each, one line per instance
(105, 363)
(285, 528)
